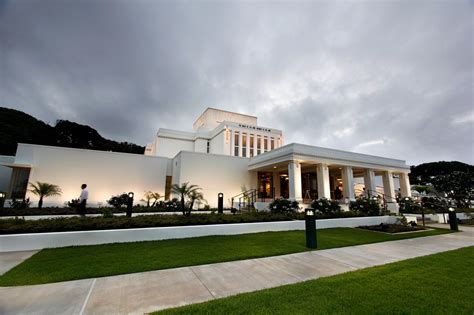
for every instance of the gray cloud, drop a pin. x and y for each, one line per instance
(392, 79)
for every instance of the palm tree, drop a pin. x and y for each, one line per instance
(184, 191)
(44, 190)
(149, 196)
(194, 196)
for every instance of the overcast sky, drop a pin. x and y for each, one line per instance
(384, 78)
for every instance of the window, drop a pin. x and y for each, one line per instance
(19, 183)
(259, 145)
(251, 145)
(265, 144)
(272, 143)
(244, 144)
(236, 144)
(208, 146)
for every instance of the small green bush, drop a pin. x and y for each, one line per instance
(326, 207)
(409, 205)
(118, 201)
(366, 205)
(282, 205)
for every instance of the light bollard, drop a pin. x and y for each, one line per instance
(310, 225)
(130, 204)
(453, 220)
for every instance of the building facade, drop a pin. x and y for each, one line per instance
(225, 153)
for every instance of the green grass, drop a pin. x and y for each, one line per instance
(435, 284)
(80, 262)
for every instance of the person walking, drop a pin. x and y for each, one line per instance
(83, 200)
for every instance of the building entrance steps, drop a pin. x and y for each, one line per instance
(145, 292)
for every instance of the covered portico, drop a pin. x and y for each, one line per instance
(302, 172)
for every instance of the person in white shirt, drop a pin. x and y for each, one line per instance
(83, 200)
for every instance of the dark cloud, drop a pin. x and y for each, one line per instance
(386, 78)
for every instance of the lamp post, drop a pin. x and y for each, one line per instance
(453, 220)
(310, 224)
(2, 199)
(130, 204)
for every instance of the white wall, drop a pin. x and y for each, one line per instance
(200, 145)
(167, 147)
(218, 145)
(21, 242)
(5, 172)
(105, 173)
(214, 174)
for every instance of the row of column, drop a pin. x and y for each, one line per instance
(322, 170)
(277, 142)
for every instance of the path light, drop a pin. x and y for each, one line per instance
(130, 204)
(310, 225)
(453, 220)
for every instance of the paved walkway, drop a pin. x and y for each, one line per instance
(149, 291)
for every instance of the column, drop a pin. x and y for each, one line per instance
(389, 191)
(324, 191)
(248, 145)
(294, 176)
(388, 186)
(348, 183)
(240, 143)
(276, 184)
(405, 185)
(369, 182)
(232, 135)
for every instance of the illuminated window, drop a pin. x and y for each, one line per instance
(236, 144)
(251, 145)
(265, 144)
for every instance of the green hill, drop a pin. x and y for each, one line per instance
(19, 127)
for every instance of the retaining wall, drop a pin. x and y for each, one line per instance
(33, 241)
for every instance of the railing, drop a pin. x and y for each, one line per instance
(246, 199)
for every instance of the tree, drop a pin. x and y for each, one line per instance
(184, 191)
(44, 190)
(194, 196)
(457, 185)
(151, 196)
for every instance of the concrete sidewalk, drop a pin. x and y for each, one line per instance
(149, 291)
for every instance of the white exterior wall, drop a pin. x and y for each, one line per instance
(168, 147)
(105, 173)
(218, 145)
(200, 145)
(5, 172)
(214, 174)
(211, 118)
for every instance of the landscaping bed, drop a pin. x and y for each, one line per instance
(392, 228)
(20, 226)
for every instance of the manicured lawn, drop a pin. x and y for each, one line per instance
(80, 262)
(436, 284)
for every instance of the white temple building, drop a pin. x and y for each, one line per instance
(226, 153)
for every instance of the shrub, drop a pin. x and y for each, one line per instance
(20, 204)
(73, 204)
(326, 207)
(282, 205)
(366, 205)
(118, 201)
(435, 203)
(409, 205)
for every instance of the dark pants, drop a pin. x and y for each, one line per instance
(82, 207)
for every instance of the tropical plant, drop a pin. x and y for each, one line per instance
(326, 206)
(194, 197)
(281, 205)
(20, 204)
(43, 190)
(118, 201)
(368, 206)
(184, 191)
(151, 196)
(409, 205)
